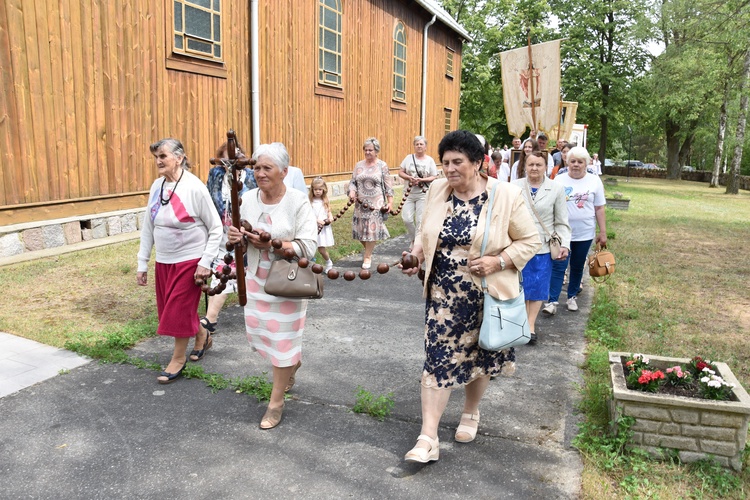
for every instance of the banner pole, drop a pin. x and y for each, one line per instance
(531, 84)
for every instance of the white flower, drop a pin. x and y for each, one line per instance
(714, 383)
(705, 379)
(646, 360)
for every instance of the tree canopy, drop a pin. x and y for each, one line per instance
(654, 72)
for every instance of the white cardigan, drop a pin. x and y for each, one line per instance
(292, 220)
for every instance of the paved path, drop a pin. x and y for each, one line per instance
(110, 431)
(24, 362)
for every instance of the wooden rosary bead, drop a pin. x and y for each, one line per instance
(289, 253)
(246, 225)
(333, 274)
(317, 268)
(276, 243)
(265, 236)
(228, 259)
(226, 270)
(303, 262)
(409, 261)
(349, 275)
(364, 274)
(383, 268)
(224, 278)
(229, 246)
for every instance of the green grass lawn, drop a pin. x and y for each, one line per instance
(681, 290)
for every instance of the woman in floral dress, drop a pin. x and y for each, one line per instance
(449, 244)
(371, 187)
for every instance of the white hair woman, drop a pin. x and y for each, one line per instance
(182, 223)
(585, 199)
(371, 188)
(274, 325)
(418, 170)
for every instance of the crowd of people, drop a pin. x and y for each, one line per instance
(545, 201)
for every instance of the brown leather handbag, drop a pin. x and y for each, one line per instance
(601, 263)
(287, 279)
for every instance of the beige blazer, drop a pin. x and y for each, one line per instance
(512, 230)
(552, 207)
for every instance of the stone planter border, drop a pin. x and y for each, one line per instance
(696, 428)
(618, 203)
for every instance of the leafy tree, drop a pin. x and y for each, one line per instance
(603, 53)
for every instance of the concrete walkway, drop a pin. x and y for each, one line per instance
(25, 362)
(110, 431)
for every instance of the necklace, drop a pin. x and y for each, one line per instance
(161, 192)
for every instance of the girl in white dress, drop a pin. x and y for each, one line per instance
(322, 210)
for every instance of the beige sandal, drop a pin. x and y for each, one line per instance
(272, 418)
(424, 455)
(465, 433)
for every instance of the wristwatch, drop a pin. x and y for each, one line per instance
(502, 262)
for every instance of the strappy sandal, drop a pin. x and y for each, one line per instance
(292, 377)
(197, 354)
(423, 455)
(272, 418)
(465, 433)
(209, 327)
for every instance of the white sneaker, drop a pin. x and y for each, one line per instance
(550, 308)
(328, 266)
(572, 304)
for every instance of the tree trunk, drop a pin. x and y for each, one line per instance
(671, 128)
(720, 137)
(733, 184)
(603, 140)
(685, 148)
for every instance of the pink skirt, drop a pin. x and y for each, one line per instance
(177, 298)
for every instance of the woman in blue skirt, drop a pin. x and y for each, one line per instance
(546, 203)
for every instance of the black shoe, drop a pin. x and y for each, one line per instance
(171, 377)
(532, 341)
(210, 327)
(197, 355)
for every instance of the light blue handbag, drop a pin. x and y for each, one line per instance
(505, 323)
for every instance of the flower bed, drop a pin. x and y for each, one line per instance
(696, 428)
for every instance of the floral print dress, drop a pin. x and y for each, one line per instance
(454, 308)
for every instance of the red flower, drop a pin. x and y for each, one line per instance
(701, 365)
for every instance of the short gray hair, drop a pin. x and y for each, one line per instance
(173, 146)
(579, 153)
(420, 138)
(276, 152)
(373, 142)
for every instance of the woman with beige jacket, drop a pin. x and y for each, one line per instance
(449, 244)
(548, 207)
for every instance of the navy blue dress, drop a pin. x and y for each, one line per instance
(453, 312)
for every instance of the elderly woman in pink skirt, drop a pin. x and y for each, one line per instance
(182, 223)
(274, 325)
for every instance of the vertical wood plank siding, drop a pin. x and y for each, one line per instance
(85, 90)
(324, 134)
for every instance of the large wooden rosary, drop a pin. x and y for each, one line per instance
(408, 261)
(225, 273)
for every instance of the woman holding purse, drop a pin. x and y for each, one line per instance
(449, 244)
(274, 324)
(546, 203)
